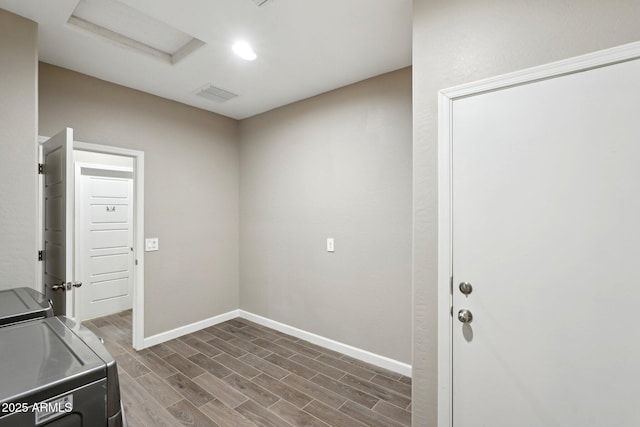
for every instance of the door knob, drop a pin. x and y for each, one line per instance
(77, 284)
(59, 287)
(465, 316)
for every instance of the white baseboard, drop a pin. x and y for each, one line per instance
(187, 329)
(357, 353)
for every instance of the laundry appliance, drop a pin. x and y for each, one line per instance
(56, 373)
(23, 304)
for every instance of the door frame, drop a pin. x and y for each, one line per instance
(138, 237)
(79, 167)
(446, 99)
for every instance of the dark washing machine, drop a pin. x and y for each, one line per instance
(56, 373)
(23, 304)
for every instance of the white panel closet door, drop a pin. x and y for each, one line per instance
(546, 228)
(106, 235)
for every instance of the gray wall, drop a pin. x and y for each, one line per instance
(191, 188)
(458, 41)
(18, 117)
(336, 165)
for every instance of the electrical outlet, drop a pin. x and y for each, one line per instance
(330, 245)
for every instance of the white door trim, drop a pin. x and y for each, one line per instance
(446, 98)
(138, 291)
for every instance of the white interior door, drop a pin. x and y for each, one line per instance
(58, 222)
(106, 241)
(545, 226)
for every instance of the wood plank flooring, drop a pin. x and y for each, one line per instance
(239, 373)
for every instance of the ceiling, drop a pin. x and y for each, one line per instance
(304, 47)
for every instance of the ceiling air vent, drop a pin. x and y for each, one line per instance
(216, 94)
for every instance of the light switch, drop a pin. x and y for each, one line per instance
(330, 246)
(151, 244)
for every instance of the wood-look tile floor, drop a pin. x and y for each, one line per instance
(239, 373)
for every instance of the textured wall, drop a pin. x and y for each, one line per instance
(191, 188)
(18, 116)
(455, 42)
(336, 165)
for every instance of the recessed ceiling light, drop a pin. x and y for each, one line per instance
(244, 51)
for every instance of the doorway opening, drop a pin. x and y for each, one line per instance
(106, 214)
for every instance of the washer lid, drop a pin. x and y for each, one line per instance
(44, 357)
(20, 304)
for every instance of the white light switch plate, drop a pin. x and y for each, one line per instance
(330, 245)
(151, 244)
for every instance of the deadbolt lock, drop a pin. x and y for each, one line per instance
(465, 288)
